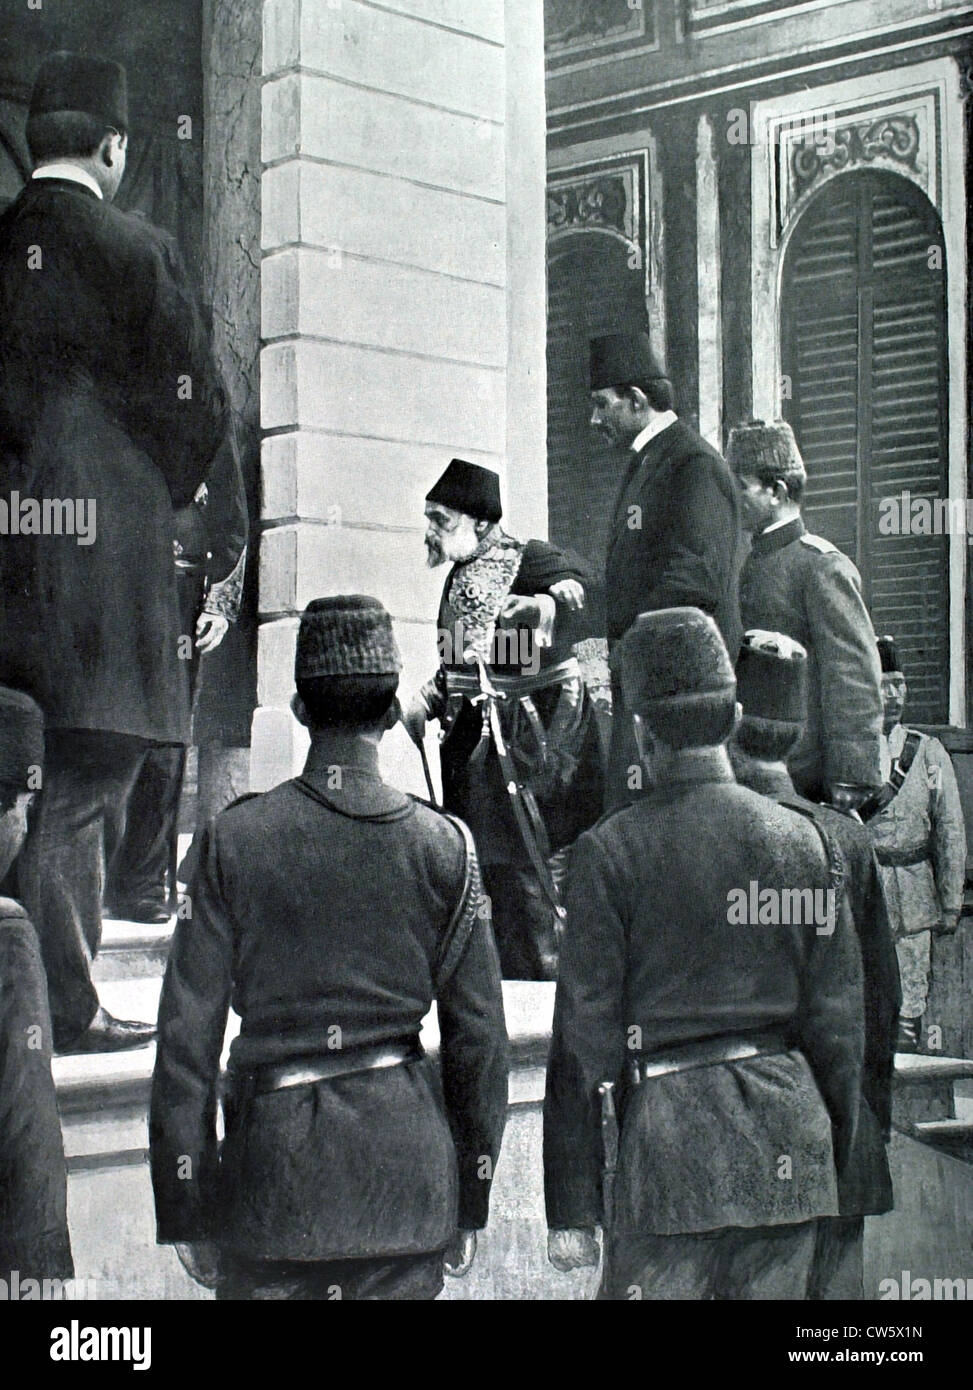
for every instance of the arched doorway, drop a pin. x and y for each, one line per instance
(864, 359)
(595, 285)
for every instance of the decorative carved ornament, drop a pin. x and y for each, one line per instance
(901, 134)
(571, 26)
(605, 202)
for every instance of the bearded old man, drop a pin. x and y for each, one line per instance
(520, 756)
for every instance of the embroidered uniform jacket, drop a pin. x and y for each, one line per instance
(802, 585)
(320, 907)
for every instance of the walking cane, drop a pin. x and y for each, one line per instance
(609, 1154)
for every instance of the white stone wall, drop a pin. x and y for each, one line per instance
(402, 307)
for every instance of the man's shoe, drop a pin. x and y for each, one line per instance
(107, 1034)
(152, 911)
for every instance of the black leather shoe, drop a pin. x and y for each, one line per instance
(150, 910)
(107, 1034)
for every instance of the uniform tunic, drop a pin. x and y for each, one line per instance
(802, 585)
(648, 947)
(322, 907)
(33, 1183)
(920, 839)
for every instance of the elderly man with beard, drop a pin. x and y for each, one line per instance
(520, 756)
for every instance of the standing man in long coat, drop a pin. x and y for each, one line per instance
(34, 1238)
(772, 686)
(734, 1043)
(675, 538)
(331, 911)
(802, 585)
(520, 757)
(110, 401)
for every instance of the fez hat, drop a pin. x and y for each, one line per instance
(772, 678)
(618, 358)
(346, 635)
(888, 656)
(21, 737)
(768, 452)
(74, 82)
(469, 488)
(674, 661)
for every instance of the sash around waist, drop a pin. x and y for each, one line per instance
(891, 857)
(468, 682)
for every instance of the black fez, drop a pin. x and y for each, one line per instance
(21, 737)
(772, 678)
(889, 657)
(75, 82)
(346, 635)
(619, 358)
(674, 661)
(469, 488)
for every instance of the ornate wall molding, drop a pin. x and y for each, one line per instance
(579, 33)
(607, 197)
(809, 147)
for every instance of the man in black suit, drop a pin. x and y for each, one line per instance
(675, 538)
(111, 402)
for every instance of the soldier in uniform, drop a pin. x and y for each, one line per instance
(675, 537)
(349, 1169)
(34, 1237)
(772, 687)
(735, 1045)
(109, 399)
(802, 585)
(916, 823)
(520, 757)
(210, 552)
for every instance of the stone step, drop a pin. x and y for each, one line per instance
(132, 950)
(952, 1136)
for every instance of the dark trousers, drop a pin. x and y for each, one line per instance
(523, 923)
(382, 1278)
(137, 874)
(740, 1263)
(75, 827)
(625, 778)
(838, 1268)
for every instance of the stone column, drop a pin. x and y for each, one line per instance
(388, 245)
(710, 337)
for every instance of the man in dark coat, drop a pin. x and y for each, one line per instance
(732, 1033)
(34, 1239)
(675, 538)
(772, 686)
(802, 585)
(111, 404)
(331, 911)
(210, 551)
(520, 757)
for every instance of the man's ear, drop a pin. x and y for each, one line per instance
(737, 718)
(638, 398)
(299, 710)
(481, 527)
(392, 715)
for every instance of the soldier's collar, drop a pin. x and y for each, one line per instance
(768, 541)
(342, 772)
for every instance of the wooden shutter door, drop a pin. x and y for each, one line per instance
(863, 336)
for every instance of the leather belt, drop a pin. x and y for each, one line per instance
(711, 1053)
(305, 1071)
(892, 858)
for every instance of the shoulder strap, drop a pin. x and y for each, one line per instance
(900, 770)
(464, 916)
(833, 855)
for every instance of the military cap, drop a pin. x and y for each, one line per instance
(21, 737)
(674, 661)
(618, 358)
(768, 452)
(75, 82)
(469, 488)
(772, 678)
(346, 635)
(888, 656)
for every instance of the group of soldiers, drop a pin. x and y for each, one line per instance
(724, 937)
